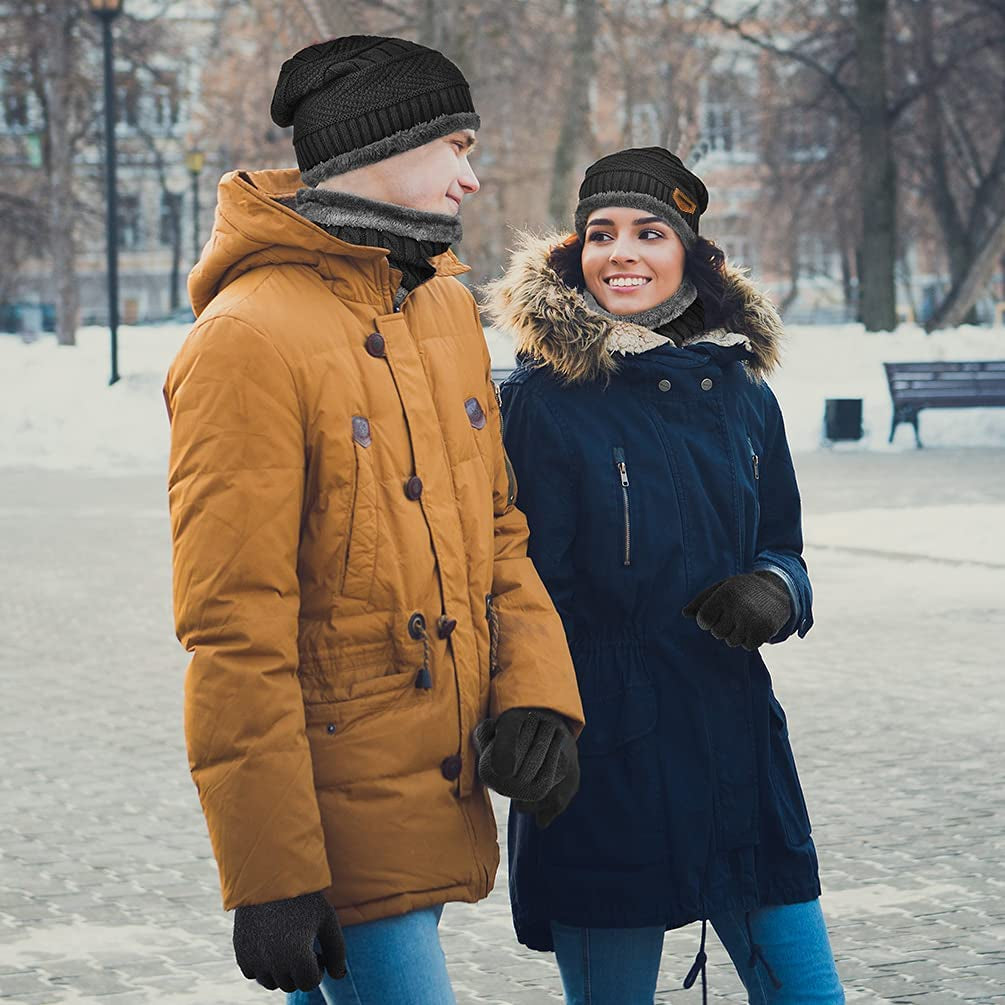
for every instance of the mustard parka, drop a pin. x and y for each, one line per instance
(350, 568)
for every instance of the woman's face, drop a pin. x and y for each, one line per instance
(631, 260)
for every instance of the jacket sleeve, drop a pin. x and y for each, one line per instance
(235, 490)
(780, 533)
(535, 667)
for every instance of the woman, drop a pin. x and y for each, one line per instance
(654, 471)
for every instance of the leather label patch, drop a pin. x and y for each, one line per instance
(684, 202)
(474, 409)
(361, 430)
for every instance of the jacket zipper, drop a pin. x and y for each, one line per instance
(493, 619)
(619, 463)
(754, 459)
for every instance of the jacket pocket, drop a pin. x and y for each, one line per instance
(361, 538)
(789, 802)
(621, 468)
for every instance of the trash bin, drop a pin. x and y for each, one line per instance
(843, 419)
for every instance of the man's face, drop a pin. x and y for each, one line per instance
(434, 177)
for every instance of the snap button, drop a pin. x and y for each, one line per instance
(706, 384)
(451, 767)
(416, 625)
(413, 487)
(330, 728)
(664, 385)
(445, 626)
(375, 344)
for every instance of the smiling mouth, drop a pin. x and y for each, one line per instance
(626, 284)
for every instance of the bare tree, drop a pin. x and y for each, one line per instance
(575, 124)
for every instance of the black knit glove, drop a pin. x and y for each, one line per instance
(744, 610)
(529, 754)
(274, 942)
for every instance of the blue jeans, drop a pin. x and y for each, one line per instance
(620, 966)
(391, 960)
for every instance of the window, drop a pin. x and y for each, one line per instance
(645, 124)
(16, 109)
(728, 124)
(127, 102)
(170, 206)
(130, 222)
(816, 258)
(164, 105)
(739, 249)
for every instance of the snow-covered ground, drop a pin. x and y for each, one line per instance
(57, 410)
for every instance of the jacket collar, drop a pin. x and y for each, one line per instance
(553, 323)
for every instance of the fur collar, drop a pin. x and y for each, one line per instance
(551, 321)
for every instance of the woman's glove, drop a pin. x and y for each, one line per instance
(744, 610)
(529, 754)
(274, 942)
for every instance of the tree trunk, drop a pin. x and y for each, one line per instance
(175, 204)
(847, 289)
(877, 290)
(576, 122)
(956, 239)
(964, 293)
(61, 59)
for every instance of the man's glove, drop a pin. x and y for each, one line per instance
(744, 610)
(529, 754)
(274, 942)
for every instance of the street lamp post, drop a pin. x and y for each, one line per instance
(194, 161)
(107, 11)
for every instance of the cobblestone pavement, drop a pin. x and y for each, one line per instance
(108, 889)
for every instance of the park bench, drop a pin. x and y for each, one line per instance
(941, 384)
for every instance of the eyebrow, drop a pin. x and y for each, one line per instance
(642, 219)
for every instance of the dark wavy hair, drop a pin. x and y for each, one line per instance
(704, 265)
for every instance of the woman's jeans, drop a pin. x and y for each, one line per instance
(620, 966)
(391, 960)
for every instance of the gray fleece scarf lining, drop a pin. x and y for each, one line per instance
(652, 317)
(330, 209)
(388, 146)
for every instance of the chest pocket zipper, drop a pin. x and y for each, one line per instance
(754, 459)
(622, 469)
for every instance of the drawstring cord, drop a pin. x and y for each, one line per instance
(493, 619)
(417, 629)
(756, 954)
(698, 967)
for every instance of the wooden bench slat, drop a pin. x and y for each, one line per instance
(943, 384)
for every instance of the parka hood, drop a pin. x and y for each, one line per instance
(552, 322)
(255, 226)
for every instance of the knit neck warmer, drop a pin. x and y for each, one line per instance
(677, 318)
(412, 236)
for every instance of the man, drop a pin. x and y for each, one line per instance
(350, 570)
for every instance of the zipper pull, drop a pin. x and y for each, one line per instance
(619, 463)
(754, 459)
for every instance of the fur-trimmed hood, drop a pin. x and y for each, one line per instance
(552, 322)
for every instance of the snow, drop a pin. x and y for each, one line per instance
(58, 412)
(957, 532)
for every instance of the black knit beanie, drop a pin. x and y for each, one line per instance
(648, 178)
(356, 100)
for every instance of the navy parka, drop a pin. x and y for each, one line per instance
(639, 493)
